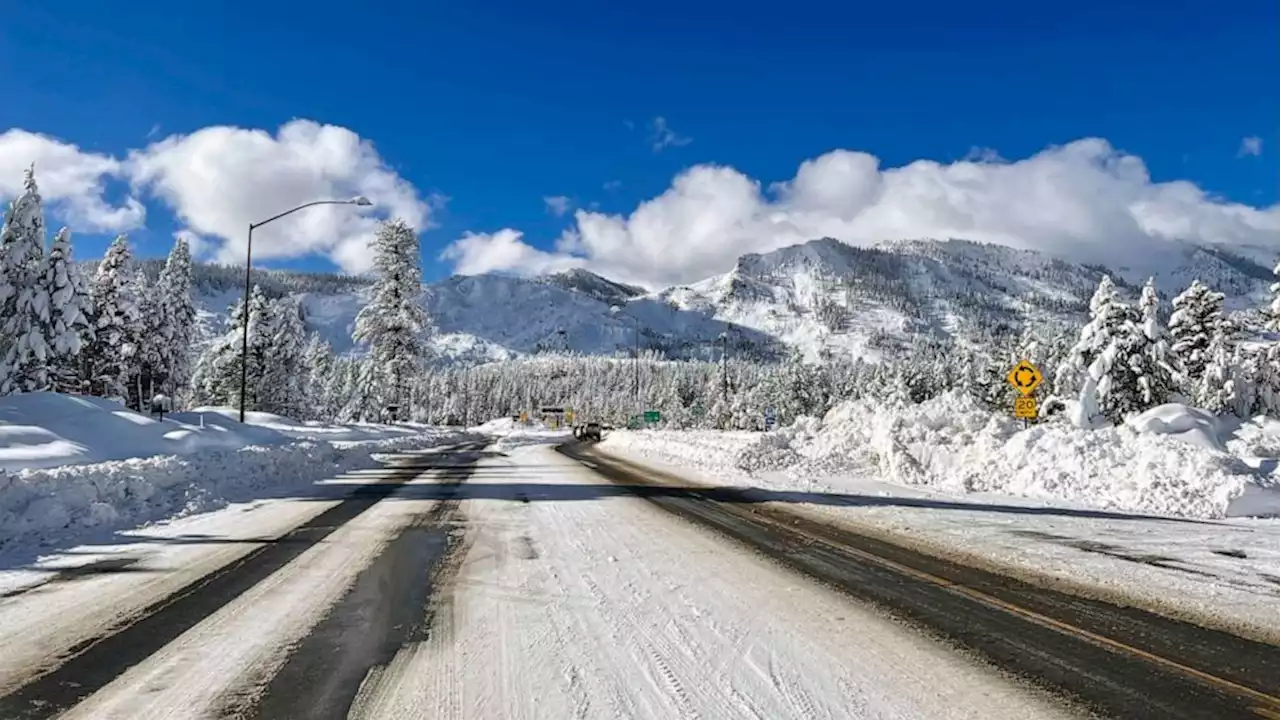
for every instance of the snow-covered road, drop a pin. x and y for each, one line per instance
(510, 581)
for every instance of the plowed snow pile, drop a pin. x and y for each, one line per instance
(1171, 460)
(72, 465)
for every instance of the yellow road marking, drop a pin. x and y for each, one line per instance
(1045, 621)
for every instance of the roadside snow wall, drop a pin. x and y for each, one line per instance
(52, 506)
(1169, 461)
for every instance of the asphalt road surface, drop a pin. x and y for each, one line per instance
(521, 581)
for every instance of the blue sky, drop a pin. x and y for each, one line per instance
(497, 105)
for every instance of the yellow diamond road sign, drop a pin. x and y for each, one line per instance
(1025, 377)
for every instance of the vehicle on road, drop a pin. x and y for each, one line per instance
(590, 431)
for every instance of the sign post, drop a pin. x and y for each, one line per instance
(1025, 378)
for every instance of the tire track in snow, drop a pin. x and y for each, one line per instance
(94, 663)
(388, 608)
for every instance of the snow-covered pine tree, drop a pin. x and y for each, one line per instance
(24, 301)
(147, 324)
(1151, 362)
(174, 327)
(1218, 389)
(1197, 316)
(1272, 311)
(318, 362)
(394, 324)
(69, 310)
(1101, 362)
(216, 379)
(283, 385)
(109, 358)
(260, 349)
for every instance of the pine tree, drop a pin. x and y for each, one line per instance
(145, 324)
(1272, 311)
(216, 380)
(1197, 316)
(283, 384)
(1151, 363)
(24, 301)
(69, 309)
(318, 363)
(394, 324)
(1098, 369)
(109, 358)
(260, 349)
(173, 324)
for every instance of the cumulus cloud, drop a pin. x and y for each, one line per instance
(72, 181)
(505, 250)
(1085, 201)
(558, 205)
(219, 179)
(1251, 146)
(662, 136)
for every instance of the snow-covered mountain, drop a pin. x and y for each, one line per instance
(820, 297)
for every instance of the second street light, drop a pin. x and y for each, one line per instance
(248, 265)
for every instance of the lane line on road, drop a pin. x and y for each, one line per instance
(1044, 620)
(783, 525)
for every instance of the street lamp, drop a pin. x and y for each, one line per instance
(617, 310)
(360, 200)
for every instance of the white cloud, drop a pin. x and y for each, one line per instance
(72, 181)
(1251, 146)
(477, 253)
(558, 205)
(662, 136)
(1085, 201)
(219, 179)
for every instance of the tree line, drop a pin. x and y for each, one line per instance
(112, 332)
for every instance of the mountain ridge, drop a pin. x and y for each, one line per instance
(823, 298)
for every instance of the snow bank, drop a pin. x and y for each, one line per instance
(228, 419)
(44, 430)
(53, 505)
(512, 434)
(40, 430)
(1168, 461)
(1173, 460)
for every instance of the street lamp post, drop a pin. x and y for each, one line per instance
(248, 264)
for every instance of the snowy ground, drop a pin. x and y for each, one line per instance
(940, 481)
(569, 603)
(74, 469)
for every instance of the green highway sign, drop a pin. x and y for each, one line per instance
(652, 416)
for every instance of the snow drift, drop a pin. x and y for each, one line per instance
(1172, 460)
(1169, 460)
